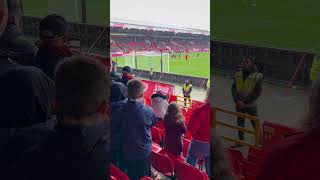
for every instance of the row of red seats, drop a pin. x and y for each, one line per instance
(117, 174)
(248, 168)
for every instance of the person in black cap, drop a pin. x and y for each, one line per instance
(53, 34)
(126, 75)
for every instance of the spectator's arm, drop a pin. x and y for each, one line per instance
(194, 124)
(234, 92)
(152, 117)
(255, 94)
(183, 128)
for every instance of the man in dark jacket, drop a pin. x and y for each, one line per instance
(25, 116)
(126, 75)
(12, 41)
(79, 148)
(53, 31)
(118, 98)
(136, 121)
(246, 89)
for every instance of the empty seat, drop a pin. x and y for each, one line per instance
(162, 163)
(187, 172)
(236, 160)
(117, 173)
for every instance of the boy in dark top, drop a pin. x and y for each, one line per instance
(136, 121)
(53, 32)
(79, 148)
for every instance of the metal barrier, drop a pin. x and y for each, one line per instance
(255, 132)
(186, 102)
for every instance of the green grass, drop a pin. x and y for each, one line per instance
(97, 10)
(289, 24)
(198, 67)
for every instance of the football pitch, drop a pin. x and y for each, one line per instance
(288, 24)
(97, 10)
(196, 66)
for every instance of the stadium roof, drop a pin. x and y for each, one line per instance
(127, 23)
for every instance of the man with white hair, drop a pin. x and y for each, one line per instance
(136, 121)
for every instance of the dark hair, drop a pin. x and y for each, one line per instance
(82, 85)
(220, 168)
(173, 114)
(127, 69)
(53, 26)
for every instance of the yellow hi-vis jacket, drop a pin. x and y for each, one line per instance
(246, 87)
(186, 88)
(315, 68)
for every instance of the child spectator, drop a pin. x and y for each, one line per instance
(174, 129)
(79, 147)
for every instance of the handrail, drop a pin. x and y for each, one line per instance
(255, 132)
(186, 101)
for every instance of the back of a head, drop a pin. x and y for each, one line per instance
(220, 169)
(82, 86)
(26, 95)
(52, 27)
(118, 92)
(135, 89)
(173, 114)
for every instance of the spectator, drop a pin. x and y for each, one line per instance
(220, 169)
(12, 41)
(114, 74)
(159, 104)
(199, 127)
(126, 75)
(79, 147)
(26, 95)
(136, 122)
(298, 156)
(53, 43)
(174, 129)
(5, 61)
(118, 97)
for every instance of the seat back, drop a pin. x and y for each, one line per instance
(146, 178)
(162, 163)
(187, 172)
(236, 160)
(256, 155)
(186, 143)
(117, 173)
(155, 135)
(250, 170)
(273, 133)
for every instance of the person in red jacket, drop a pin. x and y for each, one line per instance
(298, 156)
(199, 127)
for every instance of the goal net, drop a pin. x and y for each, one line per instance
(159, 62)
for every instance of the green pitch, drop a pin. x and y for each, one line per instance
(97, 10)
(196, 66)
(290, 24)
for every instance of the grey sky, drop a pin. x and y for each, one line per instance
(182, 13)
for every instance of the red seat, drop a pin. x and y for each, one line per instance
(162, 163)
(186, 143)
(146, 178)
(156, 147)
(160, 125)
(256, 155)
(273, 133)
(155, 135)
(250, 170)
(236, 160)
(117, 173)
(187, 172)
